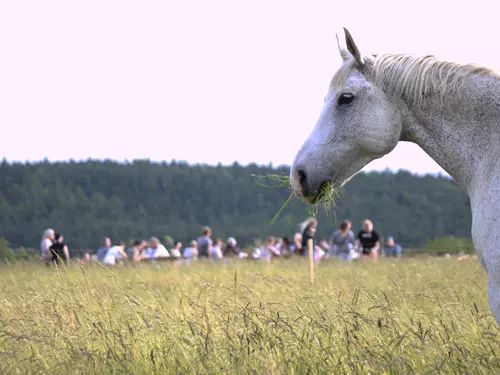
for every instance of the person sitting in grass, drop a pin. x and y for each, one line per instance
(156, 249)
(59, 250)
(342, 242)
(176, 250)
(369, 240)
(85, 258)
(279, 243)
(392, 249)
(48, 239)
(230, 250)
(101, 252)
(286, 248)
(309, 228)
(270, 249)
(191, 252)
(114, 253)
(216, 250)
(320, 251)
(137, 252)
(296, 247)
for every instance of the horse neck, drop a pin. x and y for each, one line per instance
(462, 134)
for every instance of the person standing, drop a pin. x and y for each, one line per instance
(205, 243)
(369, 240)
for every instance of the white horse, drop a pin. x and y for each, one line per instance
(451, 111)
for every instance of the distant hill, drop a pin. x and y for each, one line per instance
(88, 200)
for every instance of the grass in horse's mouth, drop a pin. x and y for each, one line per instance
(325, 198)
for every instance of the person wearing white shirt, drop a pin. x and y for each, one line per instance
(101, 252)
(176, 250)
(156, 249)
(114, 253)
(191, 251)
(215, 251)
(47, 241)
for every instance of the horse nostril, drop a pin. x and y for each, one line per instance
(302, 177)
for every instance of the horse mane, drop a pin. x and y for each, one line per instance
(414, 77)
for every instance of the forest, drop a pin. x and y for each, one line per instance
(91, 199)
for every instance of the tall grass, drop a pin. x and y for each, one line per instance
(417, 316)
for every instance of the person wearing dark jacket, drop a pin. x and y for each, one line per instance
(59, 250)
(308, 229)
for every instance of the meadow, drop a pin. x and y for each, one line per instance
(414, 316)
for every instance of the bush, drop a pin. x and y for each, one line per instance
(6, 253)
(24, 254)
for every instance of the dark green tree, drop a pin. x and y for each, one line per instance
(88, 200)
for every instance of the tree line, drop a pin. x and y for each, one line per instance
(91, 199)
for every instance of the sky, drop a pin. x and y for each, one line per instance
(204, 81)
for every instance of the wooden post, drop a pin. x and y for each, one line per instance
(311, 259)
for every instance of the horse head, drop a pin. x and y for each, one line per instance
(359, 122)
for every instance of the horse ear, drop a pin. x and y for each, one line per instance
(343, 52)
(352, 48)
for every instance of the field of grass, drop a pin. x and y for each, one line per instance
(416, 316)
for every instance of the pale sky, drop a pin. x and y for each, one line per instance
(204, 81)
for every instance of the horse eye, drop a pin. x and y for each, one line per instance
(345, 99)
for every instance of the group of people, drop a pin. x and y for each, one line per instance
(343, 245)
(53, 248)
(142, 250)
